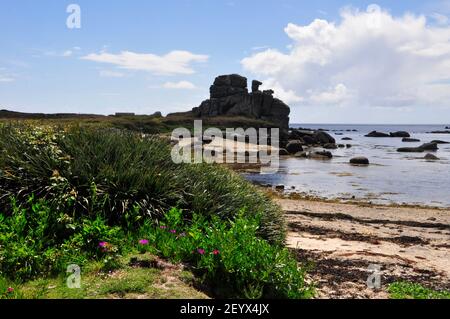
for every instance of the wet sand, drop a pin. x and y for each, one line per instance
(341, 240)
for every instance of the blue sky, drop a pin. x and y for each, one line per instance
(47, 67)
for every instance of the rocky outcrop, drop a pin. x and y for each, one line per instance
(229, 96)
(410, 140)
(377, 134)
(294, 147)
(400, 134)
(420, 149)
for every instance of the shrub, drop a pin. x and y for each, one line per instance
(407, 290)
(34, 241)
(123, 177)
(230, 257)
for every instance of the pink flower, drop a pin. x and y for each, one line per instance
(144, 242)
(103, 244)
(201, 251)
(216, 252)
(163, 227)
(173, 231)
(10, 289)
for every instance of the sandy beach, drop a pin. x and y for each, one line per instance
(342, 240)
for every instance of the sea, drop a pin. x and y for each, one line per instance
(391, 178)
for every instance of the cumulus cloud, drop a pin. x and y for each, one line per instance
(367, 58)
(182, 85)
(173, 63)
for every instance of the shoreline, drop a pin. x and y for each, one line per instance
(362, 202)
(341, 240)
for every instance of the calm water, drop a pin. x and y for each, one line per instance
(392, 177)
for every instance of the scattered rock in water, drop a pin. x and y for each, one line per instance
(420, 149)
(348, 145)
(410, 140)
(339, 134)
(279, 187)
(410, 150)
(321, 155)
(309, 140)
(400, 134)
(431, 157)
(301, 154)
(439, 132)
(324, 138)
(377, 134)
(360, 160)
(347, 139)
(330, 146)
(294, 147)
(283, 152)
(341, 145)
(439, 142)
(429, 147)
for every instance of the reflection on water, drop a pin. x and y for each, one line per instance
(392, 177)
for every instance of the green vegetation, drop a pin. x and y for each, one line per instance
(122, 177)
(406, 290)
(130, 280)
(92, 196)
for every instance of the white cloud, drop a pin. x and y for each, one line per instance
(67, 53)
(367, 58)
(182, 85)
(6, 78)
(336, 95)
(111, 74)
(173, 63)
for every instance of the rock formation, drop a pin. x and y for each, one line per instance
(229, 96)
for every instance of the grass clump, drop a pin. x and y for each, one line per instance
(407, 290)
(121, 176)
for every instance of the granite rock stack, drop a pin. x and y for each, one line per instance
(229, 96)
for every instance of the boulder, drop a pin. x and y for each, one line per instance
(360, 160)
(309, 140)
(330, 146)
(410, 140)
(279, 187)
(283, 152)
(320, 155)
(429, 147)
(431, 157)
(255, 86)
(439, 142)
(377, 134)
(324, 138)
(341, 145)
(301, 154)
(347, 139)
(294, 147)
(400, 134)
(348, 145)
(410, 150)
